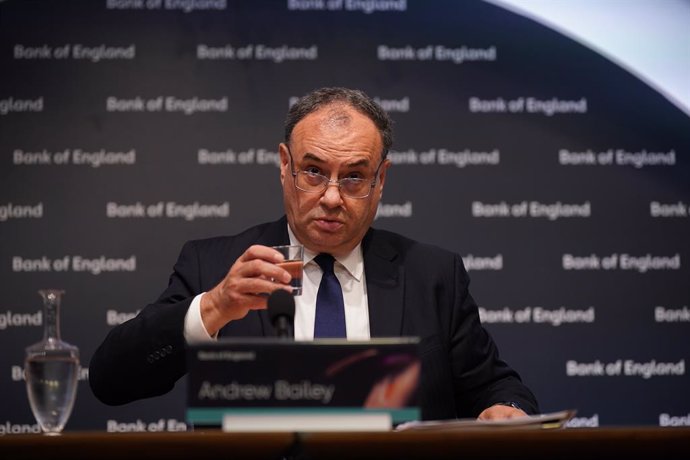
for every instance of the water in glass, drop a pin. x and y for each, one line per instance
(51, 370)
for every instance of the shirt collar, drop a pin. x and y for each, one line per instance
(353, 262)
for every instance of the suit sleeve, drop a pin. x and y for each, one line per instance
(145, 356)
(481, 378)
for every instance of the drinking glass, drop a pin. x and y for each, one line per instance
(294, 264)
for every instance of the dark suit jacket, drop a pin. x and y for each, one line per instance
(413, 290)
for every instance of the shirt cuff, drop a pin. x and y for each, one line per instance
(194, 330)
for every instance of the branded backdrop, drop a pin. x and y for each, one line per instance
(130, 126)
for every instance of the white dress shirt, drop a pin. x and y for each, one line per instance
(348, 269)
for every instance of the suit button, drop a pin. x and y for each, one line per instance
(150, 359)
(168, 348)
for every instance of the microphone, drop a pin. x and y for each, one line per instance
(281, 310)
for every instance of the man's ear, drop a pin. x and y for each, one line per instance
(284, 162)
(382, 172)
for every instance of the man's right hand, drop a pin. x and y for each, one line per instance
(246, 287)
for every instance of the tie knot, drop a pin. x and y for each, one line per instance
(325, 261)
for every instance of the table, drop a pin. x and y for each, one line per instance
(583, 443)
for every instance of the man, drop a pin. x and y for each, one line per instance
(333, 170)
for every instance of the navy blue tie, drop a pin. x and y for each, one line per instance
(330, 307)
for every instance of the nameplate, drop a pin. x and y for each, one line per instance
(336, 383)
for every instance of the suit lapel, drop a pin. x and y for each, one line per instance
(276, 234)
(385, 285)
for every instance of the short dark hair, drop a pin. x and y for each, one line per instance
(357, 99)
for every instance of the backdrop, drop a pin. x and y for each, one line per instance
(130, 126)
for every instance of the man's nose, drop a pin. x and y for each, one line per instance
(331, 196)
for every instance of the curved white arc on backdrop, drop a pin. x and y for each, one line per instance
(648, 38)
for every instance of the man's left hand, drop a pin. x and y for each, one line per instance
(499, 412)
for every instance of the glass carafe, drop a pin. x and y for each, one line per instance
(51, 369)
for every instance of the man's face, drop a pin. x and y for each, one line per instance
(336, 141)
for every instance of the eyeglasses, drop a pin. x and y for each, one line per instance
(313, 182)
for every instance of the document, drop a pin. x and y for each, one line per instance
(542, 421)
